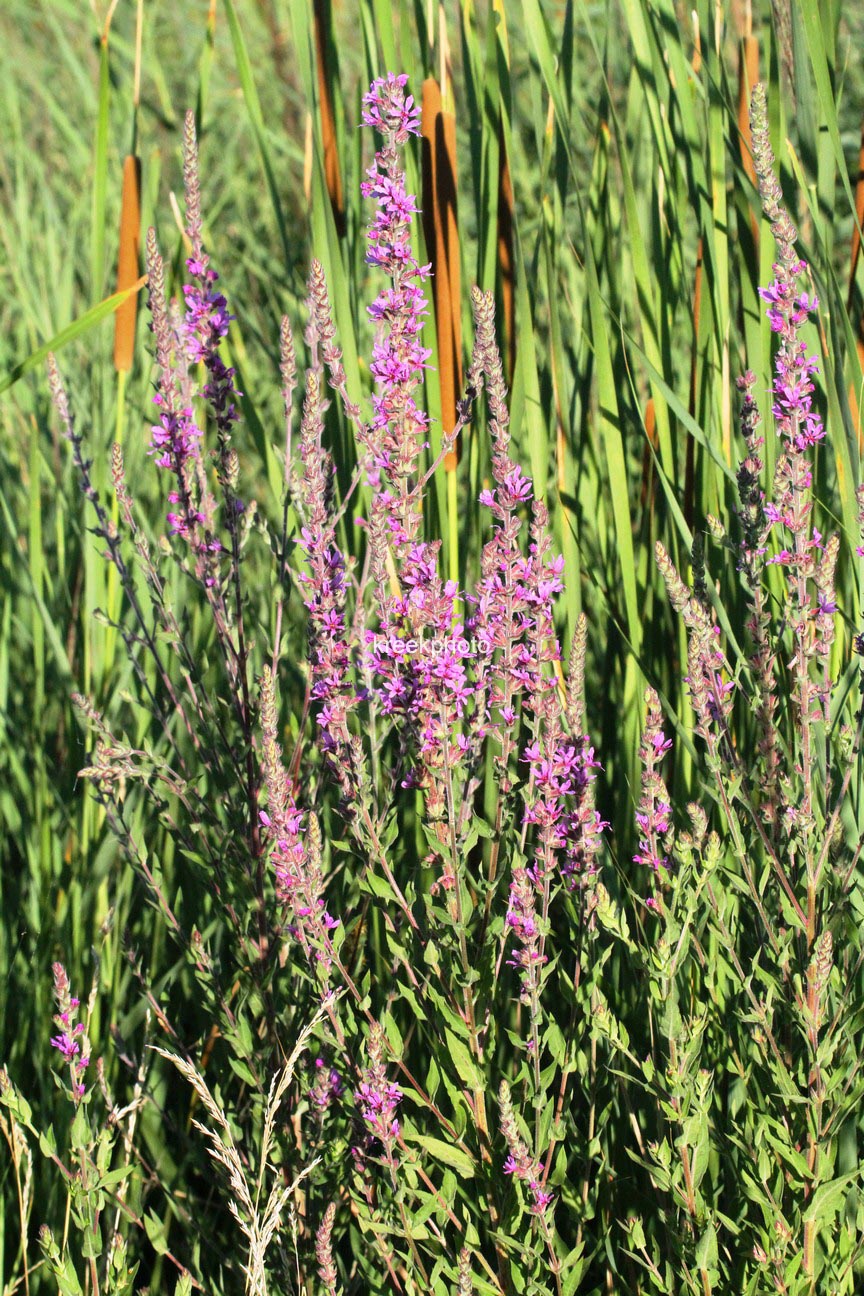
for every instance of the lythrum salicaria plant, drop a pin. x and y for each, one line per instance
(753, 969)
(395, 848)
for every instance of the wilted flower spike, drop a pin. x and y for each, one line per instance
(769, 187)
(191, 185)
(324, 1251)
(466, 1285)
(324, 590)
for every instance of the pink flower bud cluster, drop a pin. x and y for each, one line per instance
(327, 1086)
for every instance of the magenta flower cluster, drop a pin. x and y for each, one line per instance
(377, 1098)
(295, 858)
(561, 774)
(653, 815)
(519, 1161)
(71, 1040)
(398, 431)
(205, 324)
(327, 1086)
(443, 698)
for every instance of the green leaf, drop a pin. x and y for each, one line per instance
(80, 1134)
(82, 325)
(706, 1248)
(456, 1158)
(827, 1199)
(464, 1063)
(155, 1230)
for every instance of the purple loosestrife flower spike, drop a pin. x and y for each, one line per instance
(505, 600)
(71, 1041)
(519, 1161)
(175, 438)
(376, 1097)
(397, 434)
(295, 853)
(207, 319)
(800, 428)
(324, 585)
(327, 1086)
(523, 922)
(425, 688)
(654, 810)
(755, 528)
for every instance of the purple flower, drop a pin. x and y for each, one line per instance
(377, 1098)
(522, 921)
(295, 847)
(653, 816)
(71, 1041)
(324, 591)
(389, 110)
(397, 434)
(519, 1162)
(327, 1087)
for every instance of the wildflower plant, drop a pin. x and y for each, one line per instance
(756, 1079)
(394, 841)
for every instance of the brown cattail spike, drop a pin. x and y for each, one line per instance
(505, 252)
(127, 264)
(748, 76)
(854, 299)
(442, 245)
(332, 173)
(859, 218)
